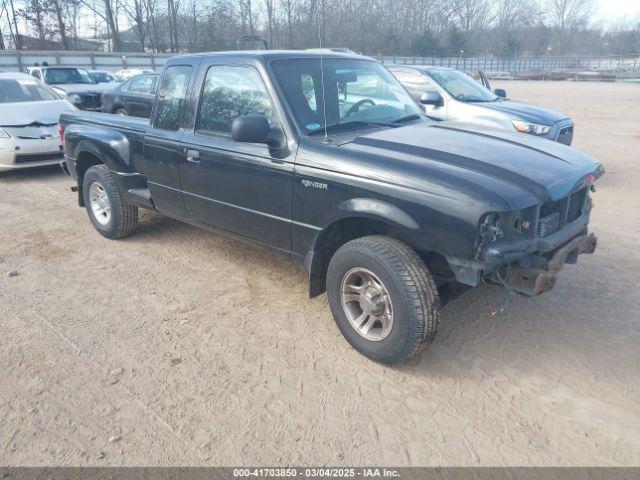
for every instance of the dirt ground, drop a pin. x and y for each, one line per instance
(181, 347)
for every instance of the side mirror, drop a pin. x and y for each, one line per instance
(500, 92)
(256, 129)
(431, 98)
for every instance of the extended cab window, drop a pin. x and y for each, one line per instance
(170, 98)
(228, 93)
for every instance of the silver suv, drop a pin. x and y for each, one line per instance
(448, 94)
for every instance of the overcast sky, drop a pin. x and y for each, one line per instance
(609, 11)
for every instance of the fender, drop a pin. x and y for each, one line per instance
(357, 217)
(377, 209)
(109, 145)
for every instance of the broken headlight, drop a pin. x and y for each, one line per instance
(504, 226)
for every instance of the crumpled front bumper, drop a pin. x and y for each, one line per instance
(534, 280)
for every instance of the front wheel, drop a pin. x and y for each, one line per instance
(110, 214)
(383, 298)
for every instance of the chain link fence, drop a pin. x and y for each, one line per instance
(12, 60)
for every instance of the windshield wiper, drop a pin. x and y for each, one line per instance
(351, 123)
(408, 118)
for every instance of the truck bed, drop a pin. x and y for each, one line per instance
(119, 122)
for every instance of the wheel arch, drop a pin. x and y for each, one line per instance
(93, 145)
(348, 227)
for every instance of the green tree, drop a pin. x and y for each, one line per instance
(425, 44)
(510, 46)
(457, 42)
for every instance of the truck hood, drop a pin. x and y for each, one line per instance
(521, 169)
(524, 111)
(85, 87)
(22, 114)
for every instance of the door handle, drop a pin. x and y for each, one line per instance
(193, 156)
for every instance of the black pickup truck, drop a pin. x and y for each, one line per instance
(325, 158)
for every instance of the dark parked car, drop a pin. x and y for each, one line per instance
(449, 94)
(134, 97)
(326, 159)
(74, 83)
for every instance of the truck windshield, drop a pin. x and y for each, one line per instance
(24, 90)
(357, 94)
(461, 86)
(61, 76)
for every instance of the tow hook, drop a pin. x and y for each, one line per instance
(534, 281)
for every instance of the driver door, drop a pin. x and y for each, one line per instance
(242, 188)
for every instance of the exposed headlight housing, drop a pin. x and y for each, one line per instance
(529, 127)
(491, 228)
(74, 98)
(4, 134)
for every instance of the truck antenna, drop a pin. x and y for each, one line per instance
(324, 103)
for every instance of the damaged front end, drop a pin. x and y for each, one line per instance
(525, 250)
(541, 274)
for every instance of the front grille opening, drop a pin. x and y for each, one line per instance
(38, 157)
(90, 100)
(552, 207)
(549, 224)
(576, 204)
(554, 215)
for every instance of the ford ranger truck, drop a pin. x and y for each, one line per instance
(326, 159)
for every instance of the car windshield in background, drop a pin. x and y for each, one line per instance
(102, 77)
(24, 90)
(357, 93)
(61, 76)
(461, 86)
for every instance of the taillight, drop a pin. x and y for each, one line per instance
(61, 133)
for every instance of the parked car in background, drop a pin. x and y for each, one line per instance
(134, 97)
(102, 76)
(29, 122)
(449, 94)
(127, 73)
(73, 82)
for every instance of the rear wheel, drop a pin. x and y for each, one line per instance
(110, 214)
(383, 298)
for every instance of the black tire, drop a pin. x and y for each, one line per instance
(121, 111)
(123, 217)
(410, 287)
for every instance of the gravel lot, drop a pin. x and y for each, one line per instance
(181, 347)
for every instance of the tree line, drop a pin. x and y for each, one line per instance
(371, 27)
